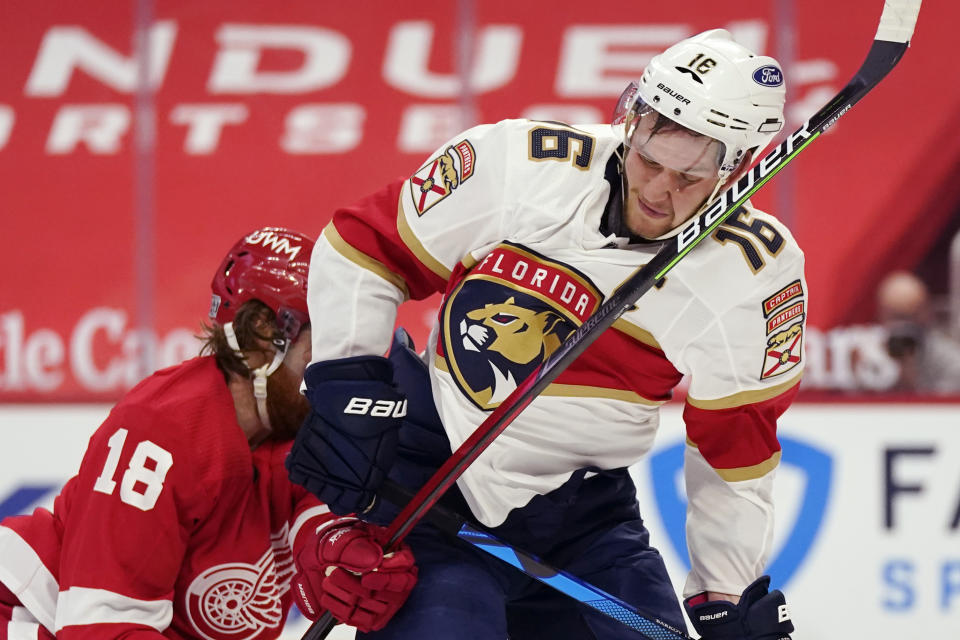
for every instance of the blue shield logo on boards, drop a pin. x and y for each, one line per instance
(816, 467)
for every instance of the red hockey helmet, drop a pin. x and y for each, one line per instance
(269, 265)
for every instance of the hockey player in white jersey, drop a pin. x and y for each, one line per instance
(526, 227)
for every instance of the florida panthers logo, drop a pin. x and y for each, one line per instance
(507, 316)
(510, 340)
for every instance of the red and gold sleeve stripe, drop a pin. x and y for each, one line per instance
(363, 260)
(368, 234)
(737, 435)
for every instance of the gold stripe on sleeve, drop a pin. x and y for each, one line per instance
(752, 472)
(361, 259)
(585, 391)
(746, 473)
(635, 332)
(415, 246)
(469, 262)
(744, 397)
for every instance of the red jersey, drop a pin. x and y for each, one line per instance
(173, 525)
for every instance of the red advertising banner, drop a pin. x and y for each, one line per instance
(135, 149)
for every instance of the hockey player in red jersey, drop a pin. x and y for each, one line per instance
(181, 522)
(526, 227)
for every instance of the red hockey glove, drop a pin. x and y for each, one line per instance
(345, 571)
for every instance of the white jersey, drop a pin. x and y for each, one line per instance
(506, 221)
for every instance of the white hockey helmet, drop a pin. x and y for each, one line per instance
(712, 85)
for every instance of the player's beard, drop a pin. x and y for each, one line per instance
(287, 407)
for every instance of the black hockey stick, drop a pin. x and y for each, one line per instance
(455, 525)
(896, 27)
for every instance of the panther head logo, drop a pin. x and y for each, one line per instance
(501, 343)
(517, 333)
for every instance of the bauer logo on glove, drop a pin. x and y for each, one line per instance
(376, 408)
(760, 615)
(349, 441)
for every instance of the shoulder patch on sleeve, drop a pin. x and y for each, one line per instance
(440, 176)
(784, 312)
(782, 297)
(783, 351)
(785, 316)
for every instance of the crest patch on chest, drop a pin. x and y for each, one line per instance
(507, 316)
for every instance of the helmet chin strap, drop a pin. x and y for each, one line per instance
(260, 374)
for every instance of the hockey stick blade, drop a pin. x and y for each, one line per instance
(896, 27)
(455, 525)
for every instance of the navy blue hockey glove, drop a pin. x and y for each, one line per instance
(348, 443)
(760, 615)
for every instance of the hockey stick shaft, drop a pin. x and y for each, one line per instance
(456, 525)
(896, 27)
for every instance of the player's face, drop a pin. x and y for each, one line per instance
(288, 408)
(669, 175)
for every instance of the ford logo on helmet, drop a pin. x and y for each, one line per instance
(768, 76)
